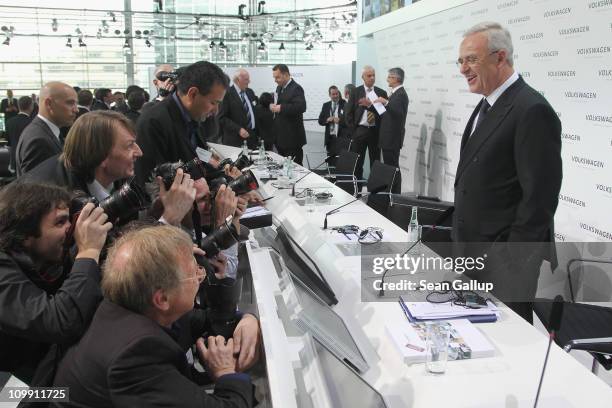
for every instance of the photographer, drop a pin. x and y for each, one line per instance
(41, 307)
(164, 87)
(150, 281)
(171, 130)
(99, 156)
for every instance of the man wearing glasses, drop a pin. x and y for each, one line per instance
(509, 174)
(137, 350)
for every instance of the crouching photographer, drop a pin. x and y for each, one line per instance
(150, 281)
(42, 308)
(98, 161)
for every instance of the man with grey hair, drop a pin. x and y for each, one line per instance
(509, 174)
(237, 113)
(363, 120)
(393, 122)
(41, 138)
(134, 352)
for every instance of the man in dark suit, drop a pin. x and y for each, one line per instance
(43, 309)
(363, 120)
(85, 100)
(9, 106)
(332, 117)
(288, 109)
(134, 351)
(41, 138)
(237, 115)
(164, 88)
(393, 122)
(103, 99)
(16, 125)
(509, 174)
(171, 130)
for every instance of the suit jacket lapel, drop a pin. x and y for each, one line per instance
(49, 133)
(496, 115)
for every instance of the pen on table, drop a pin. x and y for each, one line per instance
(405, 309)
(266, 199)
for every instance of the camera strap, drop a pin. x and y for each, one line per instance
(197, 224)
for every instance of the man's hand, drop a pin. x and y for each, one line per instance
(167, 86)
(243, 133)
(232, 171)
(365, 102)
(382, 100)
(330, 119)
(240, 209)
(275, 108)
(90, 232)
(247, 342)
(218, 357)
(225, 204)
(336, 119)
(254, 197)
(179, 199)
(219, 262)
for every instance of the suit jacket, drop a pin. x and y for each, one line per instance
(326, 113)
(82, 111)
(233, 117)
(393, 121)
(98, 105)
(353, 112)
(128, 360)
(4, 106)
(289, 122)
(14, 128)
(37, 143)
(162, 137)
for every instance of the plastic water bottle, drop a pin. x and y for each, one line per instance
(290, 168)
(262, 153)
(413, 227)
(245, 149)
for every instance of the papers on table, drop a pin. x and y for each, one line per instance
(380, 108)
(255, 212)
(448, 310)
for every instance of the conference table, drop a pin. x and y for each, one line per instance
(296, 377)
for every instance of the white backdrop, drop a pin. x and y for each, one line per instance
(562, 49)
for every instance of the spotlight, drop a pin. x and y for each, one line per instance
(126, 44)
(99, 33)
(7, 41)
(54, 24)
(212, 44)
(148, 43)
(260, 7)
(117, 32)
(331, 46)
(105, 26)
(69, 42)
(262, 46)
(282, 47)
(222, 45)
(241, 10)
(82, 43)
(78, 31)
(138, 34)
(333, 26)
(112, 16)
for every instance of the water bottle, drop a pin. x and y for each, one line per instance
(290, 167)
(413, 227)
(245, 149)
(262, 153)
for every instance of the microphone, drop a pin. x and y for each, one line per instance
(435, 226)
(314, 168)
(335, 210)
(554, 324)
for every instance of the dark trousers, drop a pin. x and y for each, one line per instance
(365, 138)
(296, 153)
(391, 157)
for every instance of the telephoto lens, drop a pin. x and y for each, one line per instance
(245, 183)
(196, 168)
(221, 238)
(129, 199)
(241, 162)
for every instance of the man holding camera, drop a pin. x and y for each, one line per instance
(42, 308)
(170, 130)
(99, 156)
(150, 282)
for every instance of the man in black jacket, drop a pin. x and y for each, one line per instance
(171, 129)
(363, 120)
(134, 352)
(509, 173)
(16, 125)
(41, 138)
(9, 105)
(332, 117)
(42, 308)
(393, 122)
(103, 99)
(237, 116)
(288, 109)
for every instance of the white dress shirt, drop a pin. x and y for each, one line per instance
(364, 117)
(494, 96)
(54, 129)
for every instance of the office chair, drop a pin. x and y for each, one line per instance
(344, 172)
(383, 175)
(584, 327)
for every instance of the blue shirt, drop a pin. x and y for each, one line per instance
(192, 125)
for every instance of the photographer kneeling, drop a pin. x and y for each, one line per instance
(99, 156)
(133, 353)
(41, 307)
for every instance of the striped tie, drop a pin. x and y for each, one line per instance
(245, 105)
(371, 118)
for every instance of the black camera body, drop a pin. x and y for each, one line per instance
(240, 185)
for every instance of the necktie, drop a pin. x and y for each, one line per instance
(371, 118)
(332, 128)
(245, 105)
(484, 108)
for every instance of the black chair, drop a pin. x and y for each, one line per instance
(583, 326)
(344, 172)
(383, 175)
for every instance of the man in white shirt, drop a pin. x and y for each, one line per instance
(41, 138)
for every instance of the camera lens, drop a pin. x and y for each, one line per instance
(125, 201)
(245, 183)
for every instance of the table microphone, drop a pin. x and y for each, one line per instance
(434, 227)
(314, 168)
(335, 210)
(556, 315)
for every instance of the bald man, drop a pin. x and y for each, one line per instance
(41, 138)
(164, 88)
(237, 114)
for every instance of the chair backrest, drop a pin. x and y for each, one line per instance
(347, 163)
(382, 174)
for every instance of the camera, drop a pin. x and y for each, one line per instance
(128, 199)
(241, 185)
(221, 238)
(241, 162)
(196, 168)
(165, 75)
